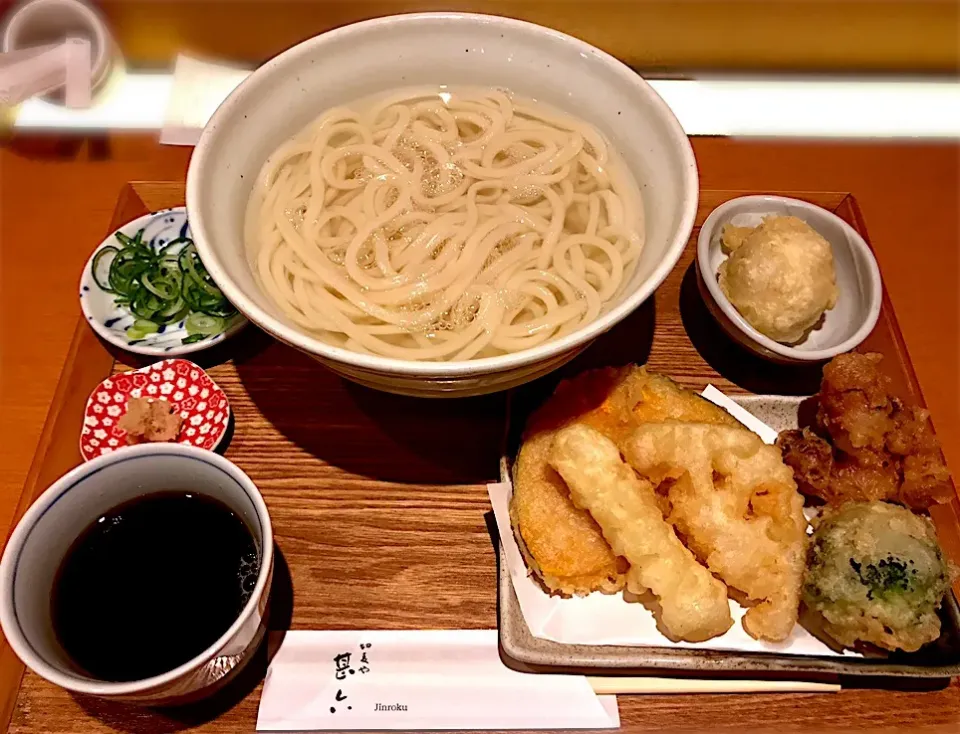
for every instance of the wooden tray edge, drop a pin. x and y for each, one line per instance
(87, 363)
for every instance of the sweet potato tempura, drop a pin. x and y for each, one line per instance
(563, 545)
(866, 444)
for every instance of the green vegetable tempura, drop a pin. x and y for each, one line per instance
(877, 575)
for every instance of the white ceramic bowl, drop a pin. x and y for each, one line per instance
(349, 63)
(858, 280)
(45, 533)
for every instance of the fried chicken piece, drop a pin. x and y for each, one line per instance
(693, 604)
(867, 475)
(562, 544)
(863, 477)
(811, 459)
(855, 403)
(911, 433)
(736, 505)
(881, 449)
(925, 478)
(926, 481)
(150, 421)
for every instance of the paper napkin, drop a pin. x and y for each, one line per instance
(418, 680)
(741, 414)
(198, 89)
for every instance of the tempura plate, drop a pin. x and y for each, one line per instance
(521, 649)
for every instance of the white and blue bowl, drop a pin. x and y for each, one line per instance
(111, 321)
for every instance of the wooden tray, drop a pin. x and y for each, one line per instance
(378, 501)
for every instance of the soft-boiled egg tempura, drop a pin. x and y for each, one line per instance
(780, 276)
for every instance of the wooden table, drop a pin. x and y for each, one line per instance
(40, 272)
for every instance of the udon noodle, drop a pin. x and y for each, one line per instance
(444, 225)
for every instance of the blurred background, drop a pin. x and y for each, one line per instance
(663, 36)
(840, 68)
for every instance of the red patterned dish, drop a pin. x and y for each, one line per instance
(199, 400)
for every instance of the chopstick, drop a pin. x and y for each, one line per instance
(622, 685)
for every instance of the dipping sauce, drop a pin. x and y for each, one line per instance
(152, 584)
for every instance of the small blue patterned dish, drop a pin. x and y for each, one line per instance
(111, 321)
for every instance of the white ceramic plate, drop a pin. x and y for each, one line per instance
(111, 321)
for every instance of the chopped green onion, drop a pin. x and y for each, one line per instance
(124, 240)
(103, 282)
(161, 287)
(201, 323)
(141, 328)
(165, 287)
(173, 243)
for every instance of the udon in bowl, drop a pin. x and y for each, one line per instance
(455, 49)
